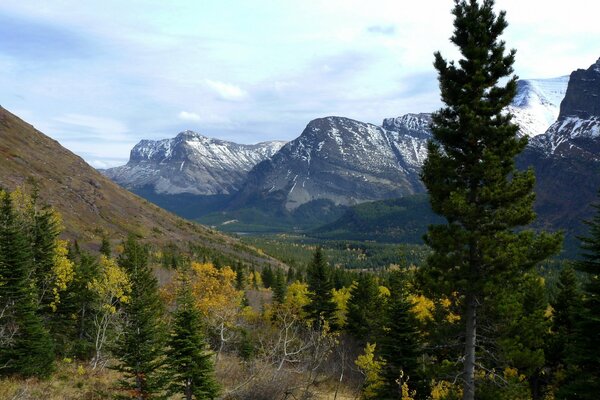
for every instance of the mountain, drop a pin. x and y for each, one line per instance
(90, 203)
(537, 103)
(577, 129)
(190, 163)
(567, 157)
(341, 160)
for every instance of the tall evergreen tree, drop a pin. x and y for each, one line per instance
(190, 368)
(268, 277)
(584, 373)
(279, 286)
(25, 345)
(398, 346)
(471, 176)
(105, 246)
(321, 307)
(364, 308)
(140, 349)
(567, 310)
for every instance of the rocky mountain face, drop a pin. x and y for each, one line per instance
(344, 161)
(350, 162)
(577, 129)
(190, 163)
(567, 157)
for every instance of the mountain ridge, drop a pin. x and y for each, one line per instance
(91, 205)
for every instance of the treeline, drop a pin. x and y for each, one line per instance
(297, 251)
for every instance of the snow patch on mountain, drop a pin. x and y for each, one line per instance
(537, 104)
(191, 163)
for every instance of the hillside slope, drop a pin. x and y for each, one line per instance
(90, 203)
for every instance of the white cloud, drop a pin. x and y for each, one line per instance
(189, 116)
(227, 91)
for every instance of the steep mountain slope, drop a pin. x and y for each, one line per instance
(342, 160)
(537, 103)
(567, 157)
(89, 202)
(190, 163)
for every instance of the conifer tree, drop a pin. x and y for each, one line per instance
(279, 287)
(190, 368)
(105, 246)
(567, 310)
(471, 176)
(25, 345)
(583, 381)
(140, 349)
(268, 277)
(398, 347)
(321, 307)
(364, 308)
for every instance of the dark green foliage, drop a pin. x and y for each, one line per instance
(398, 345)
(297, 251)
(190, 368)
(140, 348)
(321, 307)
(25, 345)
(403, 220)
(268, 277)
(521, 331)
(246, 347)
(583, 374)
(567, 310)
(471, 177)
(291, 275)
(105, 246)
(73, 321)
(364, 309)
(43, 234)
(240, 277)
(279, 287)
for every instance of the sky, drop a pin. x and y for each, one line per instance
(98, 76)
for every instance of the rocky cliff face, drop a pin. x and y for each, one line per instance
(577, 129)
(566, 158)
(191, 163)
(342, 160)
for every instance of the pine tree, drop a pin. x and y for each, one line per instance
(471, 176)
(583, 378)
(105, 246)
(321, 307)
(398, 346)
(268, 277)
(567, 309)
(25, 345)
(140, 349)
(279, 287)
(190, 367)
(364, 308)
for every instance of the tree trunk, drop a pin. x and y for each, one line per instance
(470, 341)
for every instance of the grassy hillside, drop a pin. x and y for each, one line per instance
(91, 204)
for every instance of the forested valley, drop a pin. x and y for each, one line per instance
(485, 308)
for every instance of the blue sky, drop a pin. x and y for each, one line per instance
(98, 76)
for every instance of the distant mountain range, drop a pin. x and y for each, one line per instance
(190, 163)
(337, 162)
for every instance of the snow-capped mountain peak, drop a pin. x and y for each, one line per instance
(537, 104)
(191, 163)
